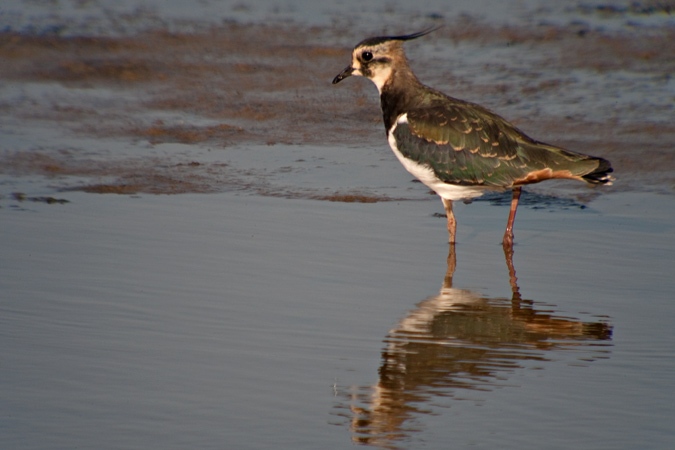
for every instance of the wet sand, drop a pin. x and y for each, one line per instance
(297, 291)
(234, 85)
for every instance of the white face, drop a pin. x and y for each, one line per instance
(371, 62)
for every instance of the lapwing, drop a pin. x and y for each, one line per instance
(459, 149)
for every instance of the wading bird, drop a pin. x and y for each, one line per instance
(459, 149)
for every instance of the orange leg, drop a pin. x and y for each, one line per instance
(452, 224)
(508, 235)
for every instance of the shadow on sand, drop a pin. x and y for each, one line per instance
(455, 345)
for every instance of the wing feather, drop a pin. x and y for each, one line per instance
(465, 144)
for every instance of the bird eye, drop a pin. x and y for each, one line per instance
(366, 56)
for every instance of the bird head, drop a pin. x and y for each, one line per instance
(375, 58)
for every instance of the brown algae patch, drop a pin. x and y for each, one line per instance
(351, 198)
(159, 133)
(121, 70)
(21, 197)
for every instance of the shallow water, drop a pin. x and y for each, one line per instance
(299, 292)
(242, 321)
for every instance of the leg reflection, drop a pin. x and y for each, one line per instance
(461, 344)
(513, 281)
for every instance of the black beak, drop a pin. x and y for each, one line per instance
(344, 74)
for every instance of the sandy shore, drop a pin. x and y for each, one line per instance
(99, 113)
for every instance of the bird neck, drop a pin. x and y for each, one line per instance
(399, 94)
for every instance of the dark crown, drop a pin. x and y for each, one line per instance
(382, 39)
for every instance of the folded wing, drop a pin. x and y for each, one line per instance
(465, 144)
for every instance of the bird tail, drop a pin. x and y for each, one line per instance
(546, 161)
(601, 175)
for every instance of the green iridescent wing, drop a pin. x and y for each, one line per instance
(465, 144)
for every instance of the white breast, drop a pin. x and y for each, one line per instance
(426, 175)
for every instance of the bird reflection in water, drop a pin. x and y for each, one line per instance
(454, 345)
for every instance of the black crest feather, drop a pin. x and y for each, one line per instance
(407, 37)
